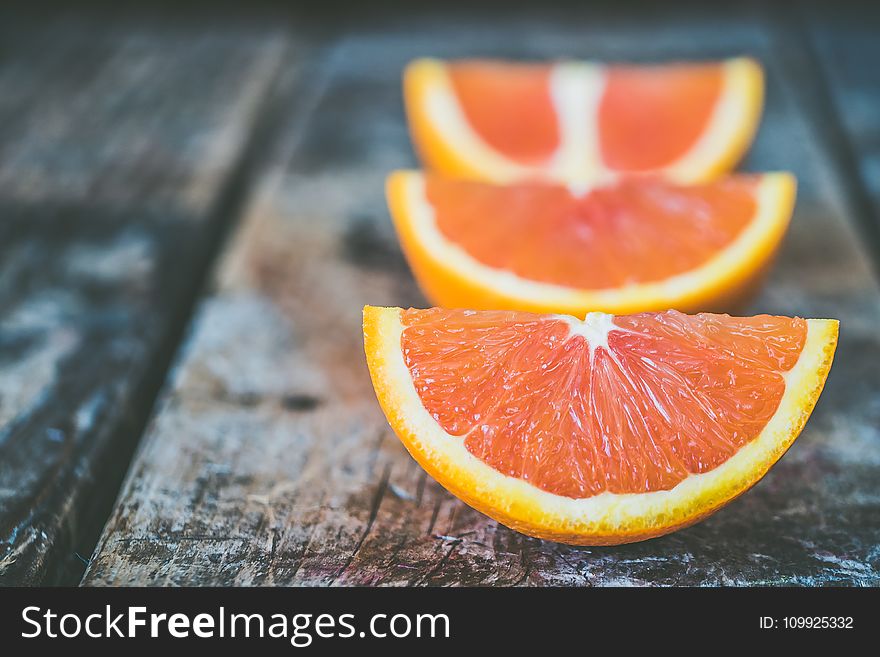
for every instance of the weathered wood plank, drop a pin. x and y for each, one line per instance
(121, 150)
(269, 461)
(841, 41)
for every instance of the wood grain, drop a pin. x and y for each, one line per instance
(268, 460)
(120, 148)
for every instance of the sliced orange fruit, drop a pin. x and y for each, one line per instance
(605, 430)
(627, 246)
(501, 121)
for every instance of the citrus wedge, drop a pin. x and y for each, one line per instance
(502, 121)
(606, 430)
(632, 245)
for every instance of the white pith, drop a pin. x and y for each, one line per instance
(594, 328)
(576, 90)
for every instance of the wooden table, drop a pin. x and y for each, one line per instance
(180, 409)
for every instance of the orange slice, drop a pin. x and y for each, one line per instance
(501, 121)
(605, 430)
(628, 246)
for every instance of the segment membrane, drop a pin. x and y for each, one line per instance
(651, 116)
(509, 106)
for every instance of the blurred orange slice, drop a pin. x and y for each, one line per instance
(628, 246)
(599, 430)
(502, 121)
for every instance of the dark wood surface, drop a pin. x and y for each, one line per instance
(267, 459)
(120, 150)
(839, 42)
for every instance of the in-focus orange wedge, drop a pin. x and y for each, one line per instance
(502, 121)
(632, 245)
(605, 430)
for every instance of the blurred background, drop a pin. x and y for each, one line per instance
(192, 215)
